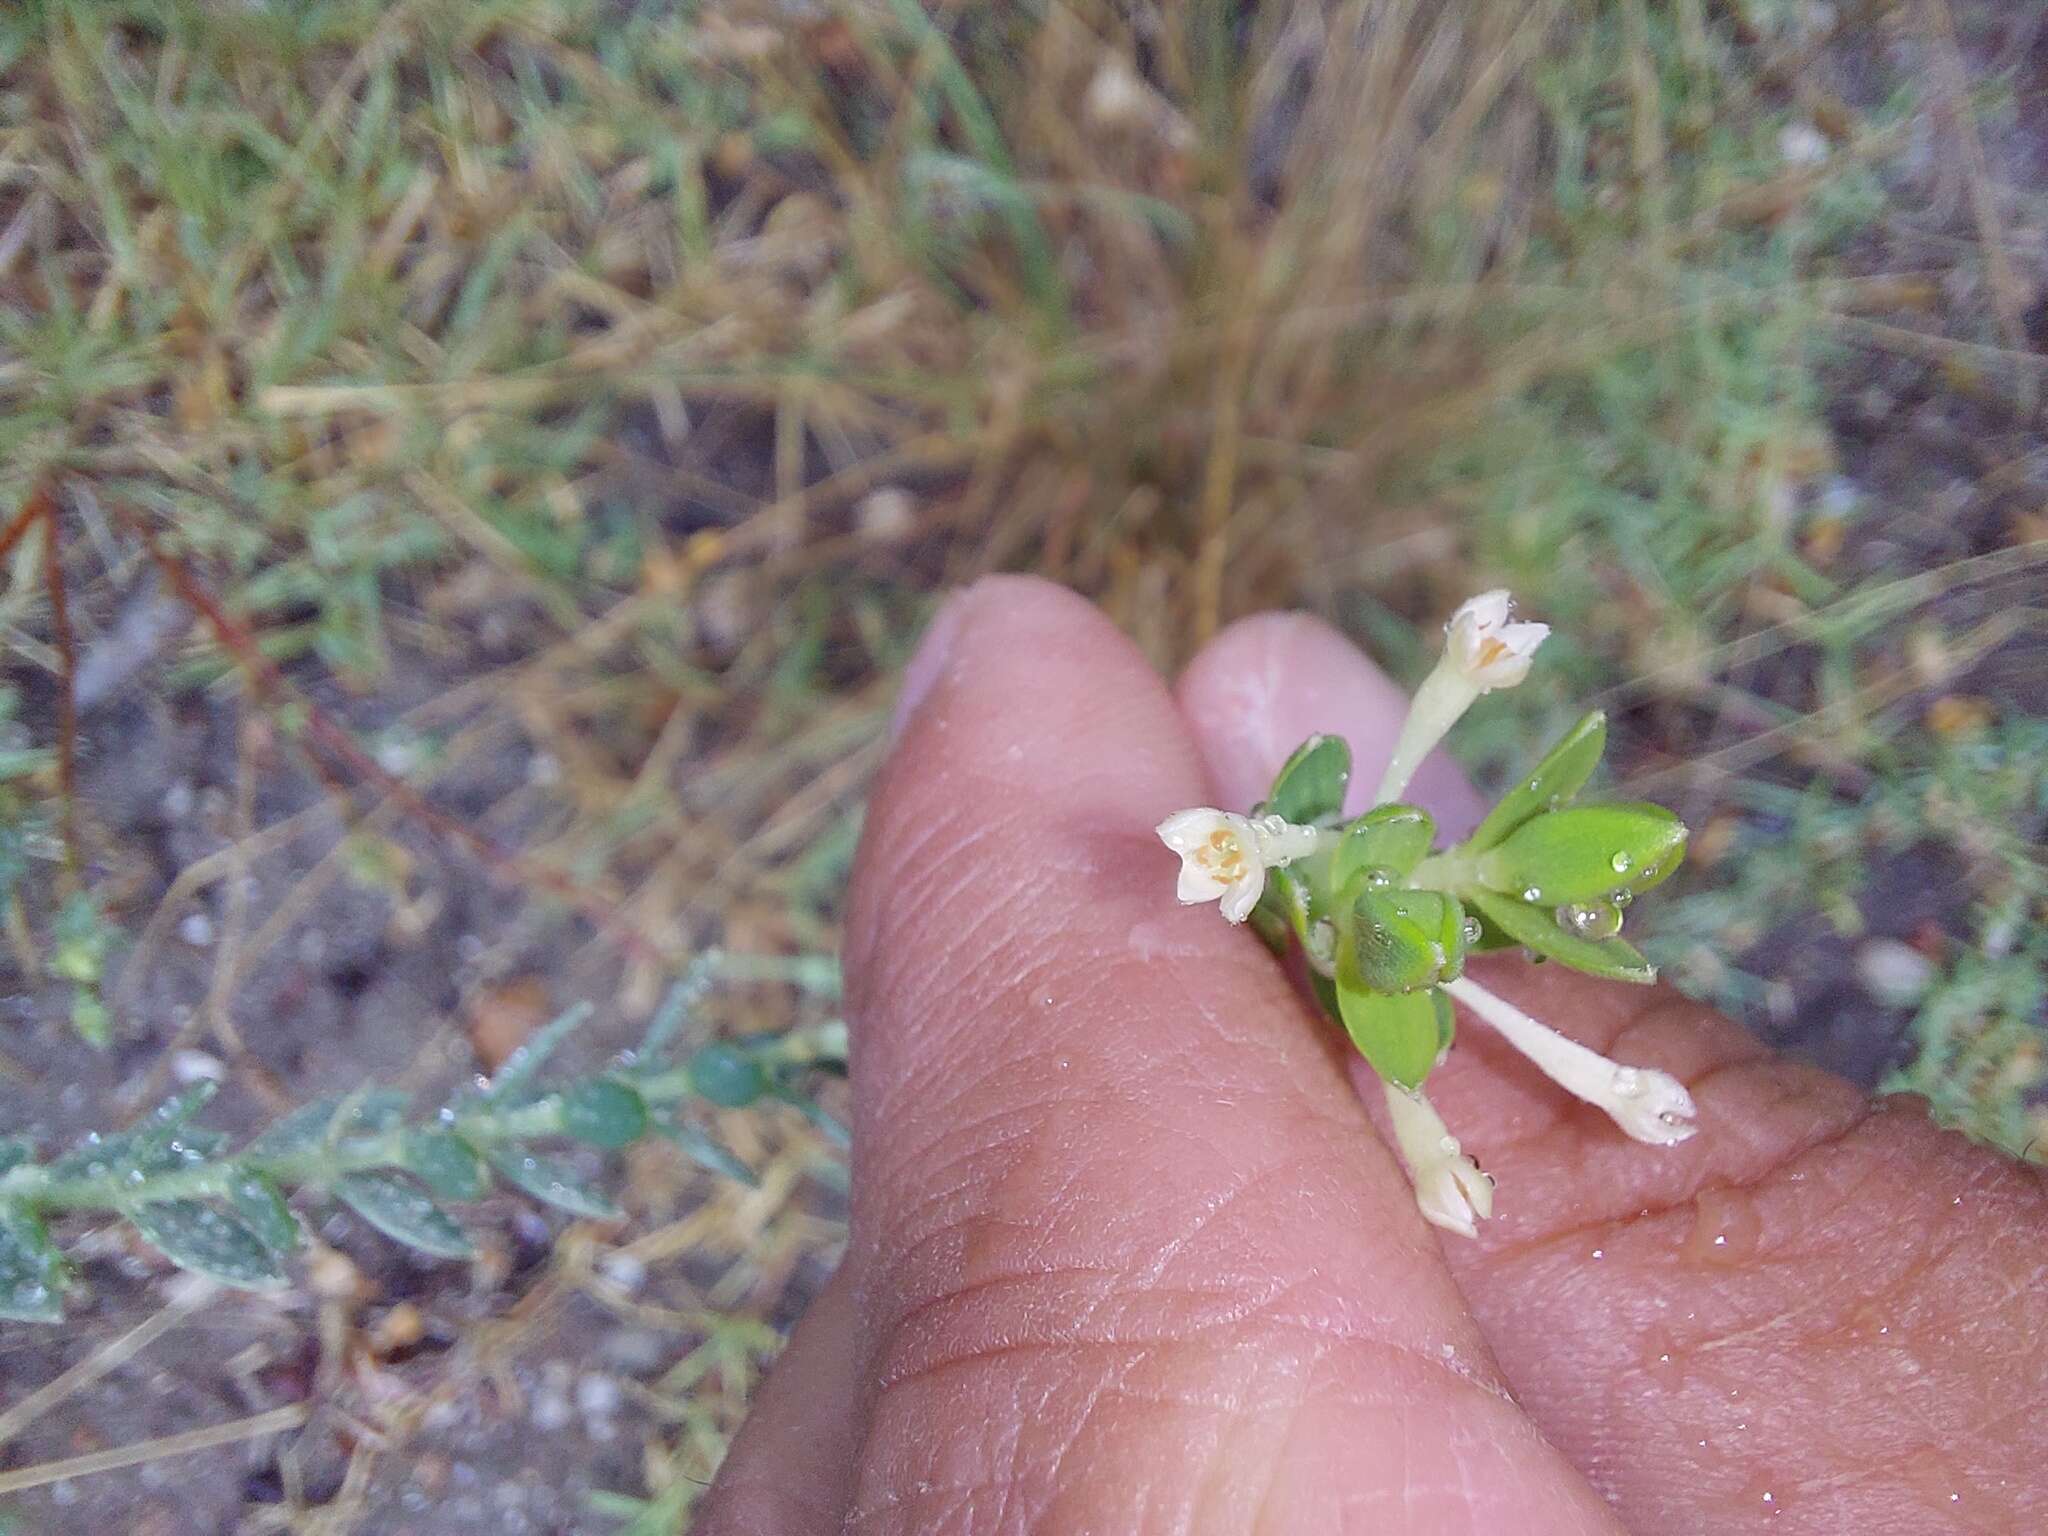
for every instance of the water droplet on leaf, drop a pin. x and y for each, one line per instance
(1592, 920)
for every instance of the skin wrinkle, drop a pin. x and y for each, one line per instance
(1369, 1389)
(1575, 1236)
(1141, 1284)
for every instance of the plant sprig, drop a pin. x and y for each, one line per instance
(225, 1215)
(1385, 923)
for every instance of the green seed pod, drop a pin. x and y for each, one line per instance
(1400, 940)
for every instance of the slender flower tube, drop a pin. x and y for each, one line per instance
(1224, 857)
(1484, 649)
(1449, 1188)
(1649, 1105)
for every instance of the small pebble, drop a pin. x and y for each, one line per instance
(623, 1271)
(886, 515)
(550, 1411)
(196, 929)
(1803, 144)
(1894, 972)
(637, 1351)
(196, 1067)
(598, 1395)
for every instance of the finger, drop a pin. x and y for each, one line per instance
(1753, 1313)
(790, 1469)
(1133, 1259)
(1253, 695)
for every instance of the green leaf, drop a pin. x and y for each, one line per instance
(1399, 940)
(604, 1112)
(31, 1270)
(1393, 837)
(1310, 787)
(553, 1180)
(148, 1144)
(263, 1211)
(1561, 775)
(709, 1154)
(1537, 929)
(210, 1241)
(445, 1163)
(14, 1151)
(520, 1067)
(1400, 1035)
(1585, 853)
(329, 1119)
(91, 1020)
(726, 1075)
(396, 1206)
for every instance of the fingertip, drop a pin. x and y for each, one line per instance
(1012, 605)
(1267, 683)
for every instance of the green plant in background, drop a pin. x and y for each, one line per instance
(1385, 924)
(224, 1215)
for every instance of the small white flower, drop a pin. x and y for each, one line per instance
(1483, 650)
(1486, 646)
(1649, 1105)
(1449, 1188)
(1224, 856)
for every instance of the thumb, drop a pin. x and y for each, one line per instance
(1800, 1312)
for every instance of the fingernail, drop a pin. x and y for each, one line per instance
(928, 662)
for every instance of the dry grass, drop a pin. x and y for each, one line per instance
(634, 376)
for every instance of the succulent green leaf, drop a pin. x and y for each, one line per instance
(210, 1241)
(1310, 787)
(1401, 1035)
(604, 1112)
(1561, 775)
(263, 1211)
(395, 1205)
(1585, 853)
(1537, 929)
(727, 1075)
(1394, 837)
(445, 1163)
(553, 1180)
(31, 1270)
(1397, 940)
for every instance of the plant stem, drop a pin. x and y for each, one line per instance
(1438, 705)
(322, 1162)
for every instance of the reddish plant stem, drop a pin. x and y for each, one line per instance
(67, 692)
(37, 504)
(325, 735)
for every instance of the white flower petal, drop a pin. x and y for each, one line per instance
(1239, 900)
(1225, 856)
(1450, 1190)
(1188, 829)
(1197, 884)
(1488, 649)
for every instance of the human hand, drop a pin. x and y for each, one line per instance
(1127, 1255)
